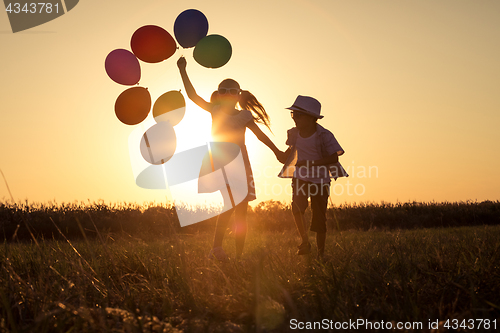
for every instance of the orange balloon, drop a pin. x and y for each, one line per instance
(133, 105)
(152, 44)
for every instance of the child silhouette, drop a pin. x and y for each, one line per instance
(312, 159)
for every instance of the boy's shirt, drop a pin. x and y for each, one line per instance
(308, 150)
(320, 145)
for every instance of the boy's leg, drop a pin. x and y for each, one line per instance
(319, 203)
(299, 205)
(241, 227)
(320, 241)
(299, 222)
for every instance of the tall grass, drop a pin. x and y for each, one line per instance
(129, 268)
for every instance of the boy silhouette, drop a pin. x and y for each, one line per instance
(311, 160)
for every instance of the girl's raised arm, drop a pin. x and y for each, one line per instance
(190, 91)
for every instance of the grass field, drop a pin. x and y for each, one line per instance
(96, 268)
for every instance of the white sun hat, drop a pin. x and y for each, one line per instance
(307, 105)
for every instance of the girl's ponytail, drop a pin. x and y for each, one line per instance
(249, 102)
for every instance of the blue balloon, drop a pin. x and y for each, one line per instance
(190, 27)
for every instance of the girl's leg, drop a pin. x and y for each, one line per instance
(241, 227)
(220, 229)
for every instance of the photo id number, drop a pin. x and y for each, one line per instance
(32, 8)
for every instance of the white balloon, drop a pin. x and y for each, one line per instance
(158, 143)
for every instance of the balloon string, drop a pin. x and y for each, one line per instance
(149, 149)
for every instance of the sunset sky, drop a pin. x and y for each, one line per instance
(410, 89)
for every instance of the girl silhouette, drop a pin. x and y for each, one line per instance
(229, 125)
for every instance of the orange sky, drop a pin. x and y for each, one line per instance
(409, 88)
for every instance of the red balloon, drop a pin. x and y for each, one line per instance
(151, 43)
(123, 67)
(133, 105)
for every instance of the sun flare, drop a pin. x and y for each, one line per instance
(194, 129)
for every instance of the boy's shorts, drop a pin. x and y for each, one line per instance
(319, 193)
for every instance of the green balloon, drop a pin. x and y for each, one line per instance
(212, 51)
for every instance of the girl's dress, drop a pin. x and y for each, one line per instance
(227, 128)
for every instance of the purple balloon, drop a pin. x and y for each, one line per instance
(123, 67)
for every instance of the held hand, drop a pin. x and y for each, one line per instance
(281, 156)
(181, 63)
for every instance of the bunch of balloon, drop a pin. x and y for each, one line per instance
(154, 143)
(190, 30)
